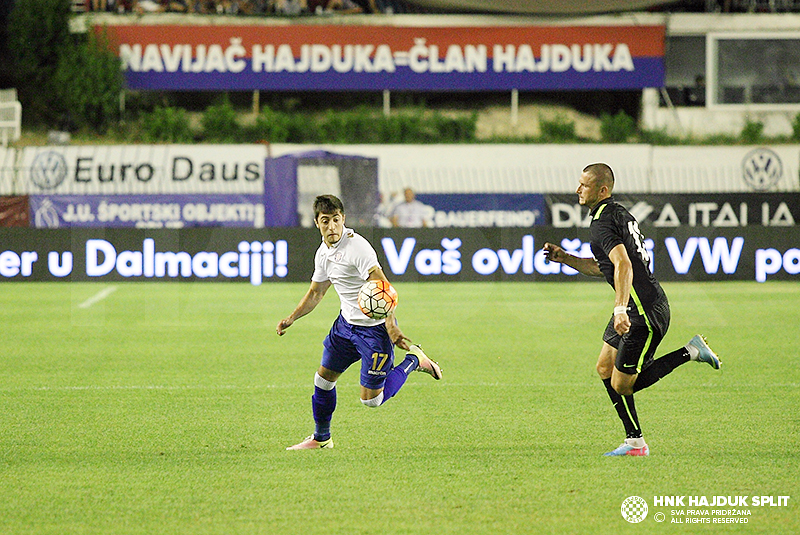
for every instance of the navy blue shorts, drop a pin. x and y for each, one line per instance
(347, 344)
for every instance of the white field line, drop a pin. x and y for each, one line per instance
(310, 384)
(77, 388)
(536, 386)
(99, 296)
(163, 387)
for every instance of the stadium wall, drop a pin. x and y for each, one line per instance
(536, 168)
(177, 186)
(542, 168)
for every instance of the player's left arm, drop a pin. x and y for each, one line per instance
(395, 334)
(623, 280)
(316, 291)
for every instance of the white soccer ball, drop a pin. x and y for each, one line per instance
(377, 299)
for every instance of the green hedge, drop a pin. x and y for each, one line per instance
(222, 124)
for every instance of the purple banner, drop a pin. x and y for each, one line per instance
(292, 182)
(146, 211)
(644, 72)
(485, 209)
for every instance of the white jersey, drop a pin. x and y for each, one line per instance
(347, 265)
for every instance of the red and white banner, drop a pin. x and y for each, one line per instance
(348, 57)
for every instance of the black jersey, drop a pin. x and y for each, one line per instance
(612, 225)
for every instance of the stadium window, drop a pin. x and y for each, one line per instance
(759, 70)
(685, 66)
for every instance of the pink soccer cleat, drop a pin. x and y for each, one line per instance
(310, 443)
(633, 447)
(426, 364)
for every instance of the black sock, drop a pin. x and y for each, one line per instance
(626, 410)
(660, 367)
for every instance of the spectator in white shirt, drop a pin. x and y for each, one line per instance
(412, 213)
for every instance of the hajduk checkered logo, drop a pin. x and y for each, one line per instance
(634, 509)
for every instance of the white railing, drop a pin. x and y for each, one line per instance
(10, 116)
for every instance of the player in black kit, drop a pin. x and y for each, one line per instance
(641, 310)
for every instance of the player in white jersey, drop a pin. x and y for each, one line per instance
(346, 260)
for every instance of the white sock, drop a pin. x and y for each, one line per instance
(321, 382)
(635, 442)
(374, 402)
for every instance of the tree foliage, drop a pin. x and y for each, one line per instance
(38, 36)
(89, 81)
(59, 74)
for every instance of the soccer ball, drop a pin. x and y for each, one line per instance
(377, 299)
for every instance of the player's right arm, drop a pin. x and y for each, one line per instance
(308, 303)
(587, 266)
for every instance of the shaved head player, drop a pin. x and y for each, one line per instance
(641, 310)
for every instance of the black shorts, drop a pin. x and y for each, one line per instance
(637, 348)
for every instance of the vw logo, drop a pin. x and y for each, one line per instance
(49, 169)
(762, 169)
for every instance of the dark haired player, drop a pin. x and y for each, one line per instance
(346, 260)
(641, 310)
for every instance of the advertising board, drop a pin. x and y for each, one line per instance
(459, 254)
(142, 169)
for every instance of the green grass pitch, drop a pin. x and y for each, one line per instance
(165, 408)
